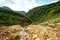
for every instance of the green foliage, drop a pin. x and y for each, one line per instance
(44, 13)
(9, 17)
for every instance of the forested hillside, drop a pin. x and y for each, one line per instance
(44, 13)
(9, 17)
(40, 23)
(36, 15)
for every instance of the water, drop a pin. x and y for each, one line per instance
(23, 34)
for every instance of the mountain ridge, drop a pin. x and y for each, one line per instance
(38, 14)
(21, 12)
(10, 17)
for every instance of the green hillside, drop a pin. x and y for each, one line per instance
(9, 17)
(44, 13)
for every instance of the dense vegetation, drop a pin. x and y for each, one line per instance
(44, 13)
(36, 15)
(9, 17)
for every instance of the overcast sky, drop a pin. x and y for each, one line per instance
(24, 5)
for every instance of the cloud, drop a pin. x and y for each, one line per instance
(1, 1)
(21, 4)
(24, 5)
(54, 1)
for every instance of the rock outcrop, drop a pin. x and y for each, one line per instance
(32, 32)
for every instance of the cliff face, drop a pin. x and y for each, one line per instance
(32, 32)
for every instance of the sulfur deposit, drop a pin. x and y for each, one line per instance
(32, 32)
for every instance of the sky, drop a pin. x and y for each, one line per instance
(24, 5)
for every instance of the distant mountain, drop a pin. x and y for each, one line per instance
(44, 13)
(22, 12)
(5, 7)
(10, 17)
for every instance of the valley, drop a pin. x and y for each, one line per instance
(39, 23)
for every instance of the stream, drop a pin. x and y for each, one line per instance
(24, 35)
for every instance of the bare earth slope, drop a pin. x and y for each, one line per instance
(32, 32)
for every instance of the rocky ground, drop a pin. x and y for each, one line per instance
(31, 32)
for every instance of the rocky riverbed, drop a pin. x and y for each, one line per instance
(31, 32)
